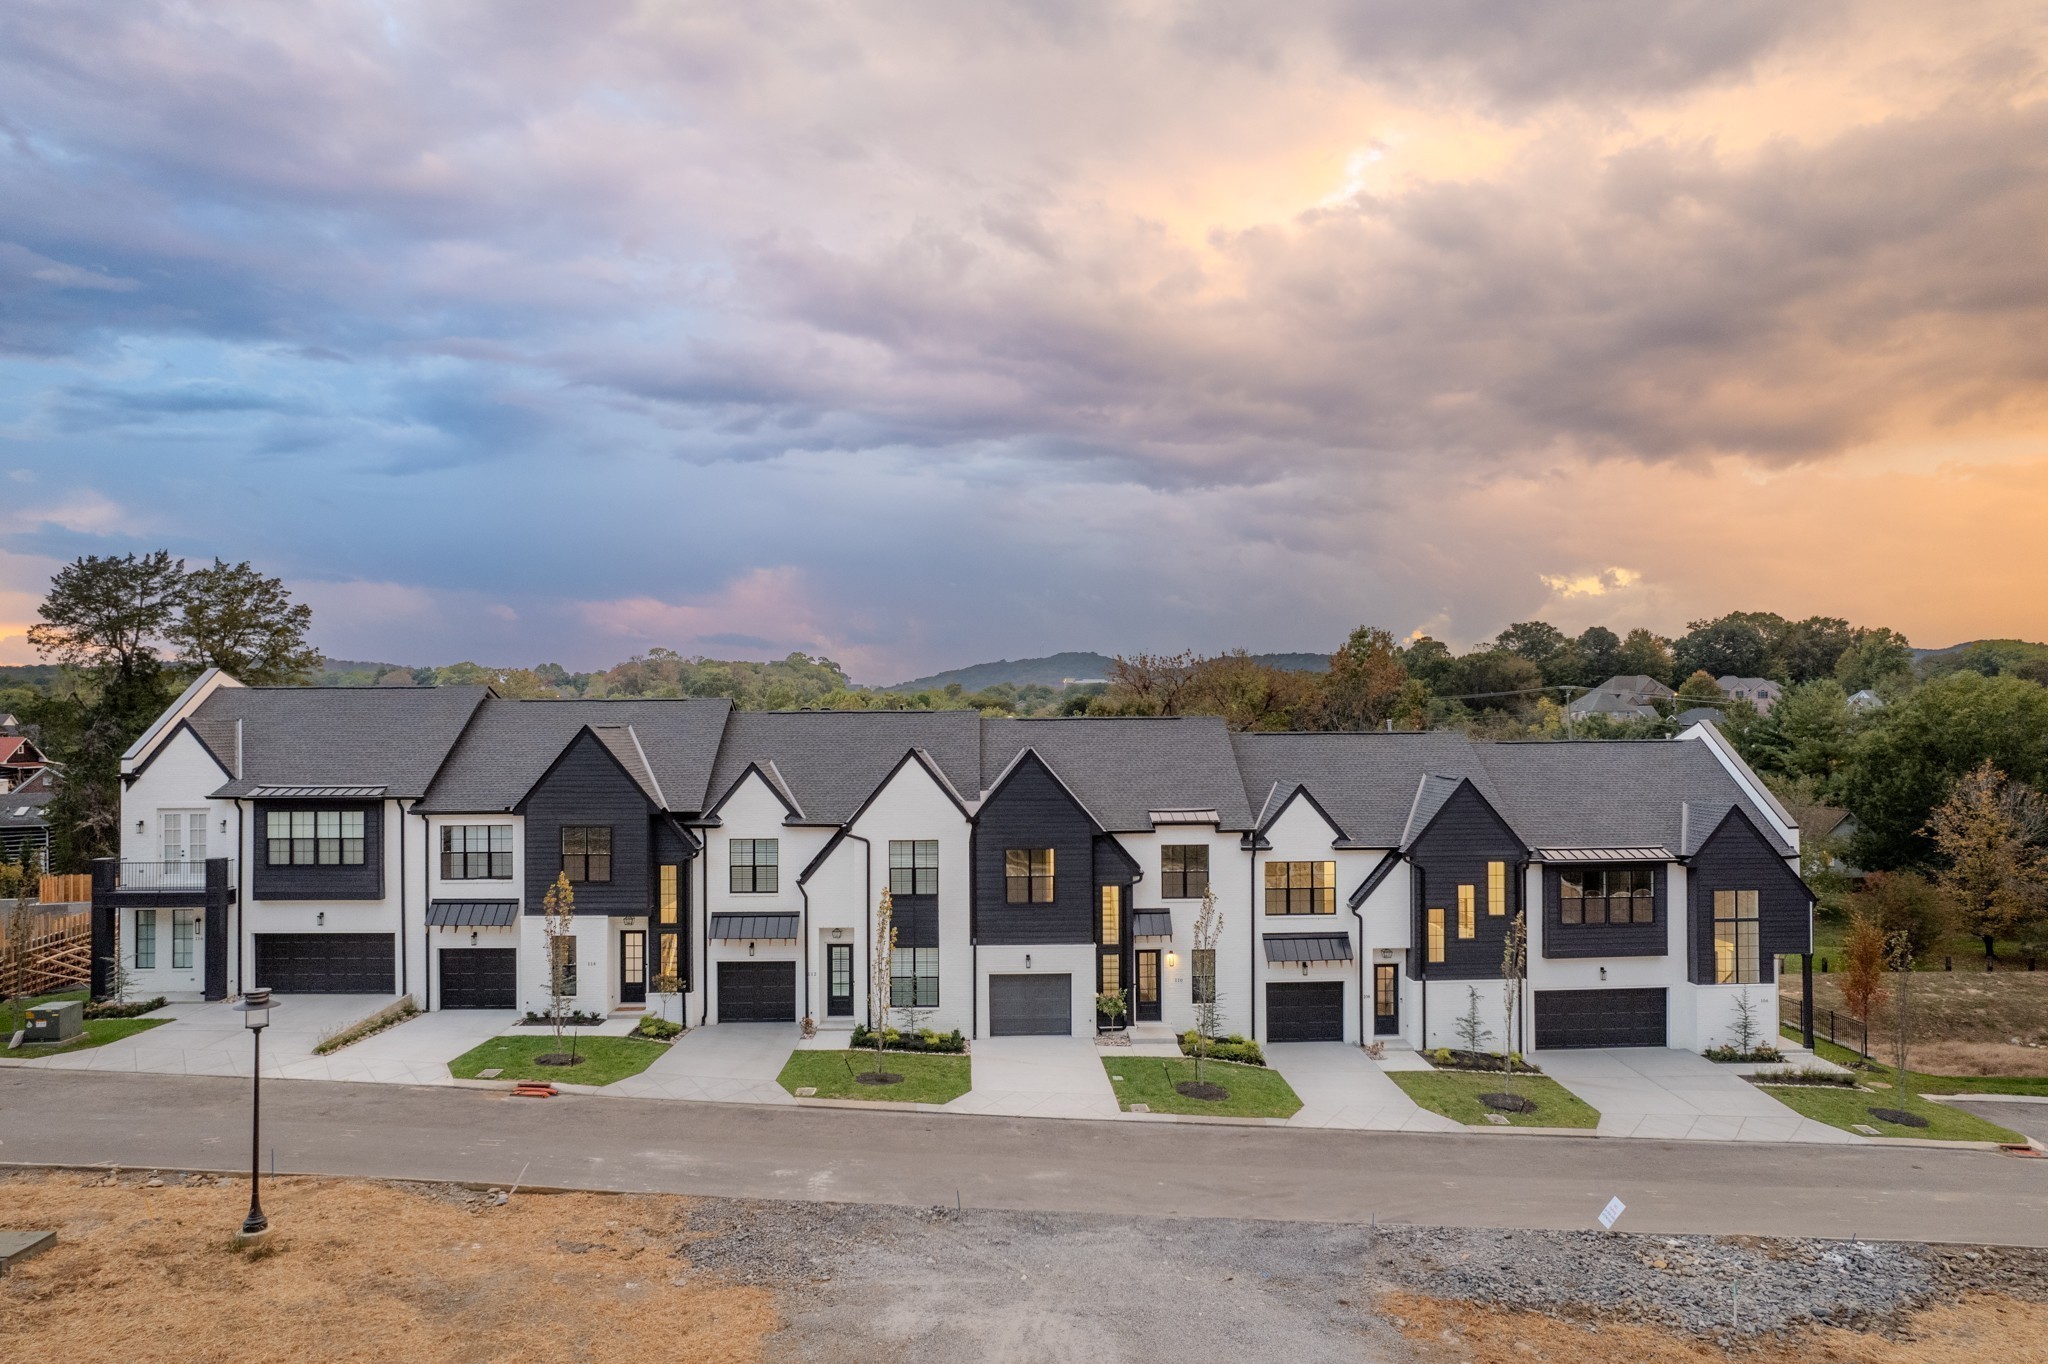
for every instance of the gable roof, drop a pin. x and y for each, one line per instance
(510, 744)
(1122, 768)
(1612, 794)
(1367, 782)
(829, 762)
(334, 736)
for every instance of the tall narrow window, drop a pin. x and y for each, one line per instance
(1184, 871)
(1496, 889)
(145, 940)
(1301, 888)
(913, 978)
(756, 866)
(1203, 961)
(1027, 876)
(587, 852)
(1112, 972)
(1738, 959)
(1468, 921)
(668, 910)
(565, 963)
(913, 866)
(1112, 915)
(670, 903)
(184, 928)
(1436, 935)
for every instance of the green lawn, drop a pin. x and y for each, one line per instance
(1931, 1084)
(81, 994)
(98, 1032)
(1844, 1108)
(605, 1059)
(1255, 1091)
(1455, 1094)
(927, 1078)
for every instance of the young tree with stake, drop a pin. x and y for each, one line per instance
(1209, 1001)
(880, 974)
(1514, 967)
(558, 924)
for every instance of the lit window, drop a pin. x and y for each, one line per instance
(1738, 958)
(671, 900)
(1027, 876)
(1112, 972)
(1496, 889)
(1468, 924)
(1301, 888)
(1436, 935)
(913, 866)
(1112, 915)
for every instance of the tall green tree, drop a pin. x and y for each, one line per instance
(1644, 654)
(1599, 652)
(1878, 660)
(1992, 833)
(1365, 684)
(233, 618)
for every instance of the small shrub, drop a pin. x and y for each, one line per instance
(660, 1029)
(896, 1040)
(1732, 1054)
(1235, 1047)
(576, 1018)
(135, 1010)
(1807, 1075)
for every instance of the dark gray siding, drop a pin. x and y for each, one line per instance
(365, 882)
(1561, 939)
(1032, 810)
(916, 918)
(1736, 857)
(1465, 835)
(587, 786)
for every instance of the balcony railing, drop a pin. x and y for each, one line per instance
(167, 875)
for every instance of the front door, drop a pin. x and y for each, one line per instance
(633, 967)
(1386, 1000)
(1148, 986)
(839, 980)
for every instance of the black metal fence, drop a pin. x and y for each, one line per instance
(1844, 1030)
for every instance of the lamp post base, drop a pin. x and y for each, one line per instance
(249, 1236)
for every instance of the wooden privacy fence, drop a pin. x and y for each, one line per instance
(59, 953)
(72, 889)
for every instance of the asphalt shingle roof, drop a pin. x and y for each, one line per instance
(830, 761)
(1367, 782)
(335, 736)
(1124, 768)
(1614, 794)
(511, 744)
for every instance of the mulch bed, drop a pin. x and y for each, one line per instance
(1203, 1090)
(1899, 1117)
(1508, 1103)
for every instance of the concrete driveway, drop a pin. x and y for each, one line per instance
(734, 1063)
(1339, 1086)
(210, 1039)
(1678, 1095)
(415, 1052)
(1040, 1077)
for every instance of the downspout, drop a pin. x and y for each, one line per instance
(1522, 986)
(241, 894)
(426, 931)
(404, 962)
(704, 961)
(1252, 918)
(804, 933)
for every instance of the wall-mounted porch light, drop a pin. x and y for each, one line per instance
(1027, 961)
(1172, 960)
(750, 949)
(320, 919)
(836, 934)
(138, 826)
(472, 937)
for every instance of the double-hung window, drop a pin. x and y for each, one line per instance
(1468, 912)
(587, 852)
(1436, 934)
(564, 965)
(1738, 958)
(1301, 888)
(913, 866)
(145, 940)
(669, 910)
(476, 852)
(184, 932)
(1184, 871)
(1607, 895)
(1027, 876)
(308, 838)
(1496, 889)
(1203, 960)
(756, 866)
(1112, 915)
(913, 978)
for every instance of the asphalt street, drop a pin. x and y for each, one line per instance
(1141, 1169)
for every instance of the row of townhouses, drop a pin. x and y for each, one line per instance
(729, 863)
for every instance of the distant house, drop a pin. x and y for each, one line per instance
(1864, 701)
(1709, 714)
(1622, 698)
(24, 826)
(20, 759)
(1760, 692)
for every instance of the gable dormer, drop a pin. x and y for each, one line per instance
(590, 816)
(1032, 823)
(1466, 879)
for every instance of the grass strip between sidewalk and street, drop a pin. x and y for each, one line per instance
(605, 1059)
(1254, 1091)
(1845, 1108)
(98, 1032)
(1455, 1094)
(928, 1078)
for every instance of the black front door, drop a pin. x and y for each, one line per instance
(1148, 986)
(839, 980)
(1386, 1000)
(633, 967)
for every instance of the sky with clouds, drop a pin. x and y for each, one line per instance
(919, 333)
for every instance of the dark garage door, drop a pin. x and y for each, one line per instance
(1310, 1011)
(757, 992)
(1030, 1006)
(327, 963)
(479, 977)
(1599, 1018)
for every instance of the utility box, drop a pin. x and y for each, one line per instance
(58, 1022)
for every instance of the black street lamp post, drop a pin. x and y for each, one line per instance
(255, 1007)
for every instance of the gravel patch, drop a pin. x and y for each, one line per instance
(870, 1283)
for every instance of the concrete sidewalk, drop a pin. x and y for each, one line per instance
(1340, 1086)
(1679, 1096)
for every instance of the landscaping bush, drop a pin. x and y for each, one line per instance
(660, 1029)
(1235, 1047)
(1764, 1055)
(576, 1018)
(390, 1016)
(1453, 1058)
(1807, 1075)
(894, 1039)
(136, 1010)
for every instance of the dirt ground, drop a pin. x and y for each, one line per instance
(362, 1270)
(1963, 1022)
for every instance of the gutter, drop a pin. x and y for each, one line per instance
(404, 964)
(426, 933)
(241, 895)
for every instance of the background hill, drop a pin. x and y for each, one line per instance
(1057, 669)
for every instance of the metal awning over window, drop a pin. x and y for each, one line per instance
(730, 927)
(317, 792)
(1307, 947)
(1152, 923)
(472, 913)
(1640, 854)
